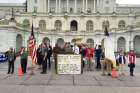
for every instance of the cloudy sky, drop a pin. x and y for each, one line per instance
(118, 1)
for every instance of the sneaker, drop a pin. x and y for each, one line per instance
(109, 74)
(131, 75)
(12, 72)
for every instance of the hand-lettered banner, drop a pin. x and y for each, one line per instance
(68, 64)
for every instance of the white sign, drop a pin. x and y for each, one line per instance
(68, 64)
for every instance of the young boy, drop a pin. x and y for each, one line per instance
(121, 59)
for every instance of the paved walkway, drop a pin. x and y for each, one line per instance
(52, 83)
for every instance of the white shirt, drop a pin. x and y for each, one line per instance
(76, 49)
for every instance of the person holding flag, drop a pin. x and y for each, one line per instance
(44, 54)
(109, 53)
(32, 47)
(23, 59)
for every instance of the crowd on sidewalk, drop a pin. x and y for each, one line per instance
(93, 58)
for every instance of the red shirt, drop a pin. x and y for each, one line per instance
(132, 58)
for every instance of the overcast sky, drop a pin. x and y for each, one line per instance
(118, 1)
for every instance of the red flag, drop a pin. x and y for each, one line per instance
(32, 46)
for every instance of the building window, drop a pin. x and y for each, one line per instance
(105, 24)
(58, 25)
(107, 2)
(26, 23)
(89, 26)
(35, 9)
(42, 25)
(89, 10)
(121, 24)
(71, 10)
(74, 26)
(35, 1)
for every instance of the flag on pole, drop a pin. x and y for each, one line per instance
(32, 46)
(109, 50)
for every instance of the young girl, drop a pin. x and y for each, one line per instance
(131, 62)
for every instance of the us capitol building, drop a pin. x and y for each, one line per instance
(58, 21)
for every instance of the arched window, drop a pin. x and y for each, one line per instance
(74, 25)
(137, 43)
(121, 24)
(89, 26)
(58, 25)
(105, 24)
(26, 23)
(42, 25)
(121, 44)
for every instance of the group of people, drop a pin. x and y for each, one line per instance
(91, 56)
(121, 60)
(44, 53)
(11, 54)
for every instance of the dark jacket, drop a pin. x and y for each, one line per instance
(11, 56)
(98, 52)
(49, 51)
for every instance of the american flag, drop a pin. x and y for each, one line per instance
(32, 46)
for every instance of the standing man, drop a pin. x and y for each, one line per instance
(49, 55)
(56, 50)
(98, 53)
(44, 53)
(131, 62)
(11, 59)
(23, 59)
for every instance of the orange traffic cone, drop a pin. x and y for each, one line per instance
(20, 73)
(114, 74)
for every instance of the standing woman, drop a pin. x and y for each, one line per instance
(23, 59)
(56, 50)
(131, 62)
(39, 56)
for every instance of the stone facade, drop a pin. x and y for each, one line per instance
(65, 20)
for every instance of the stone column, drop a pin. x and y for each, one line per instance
(67, 6)
(75, 8)
(59, 6)
(48, 6)
(94, 6)
(86, 5)
(83, 6)
(97, 5)
(56, 6)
